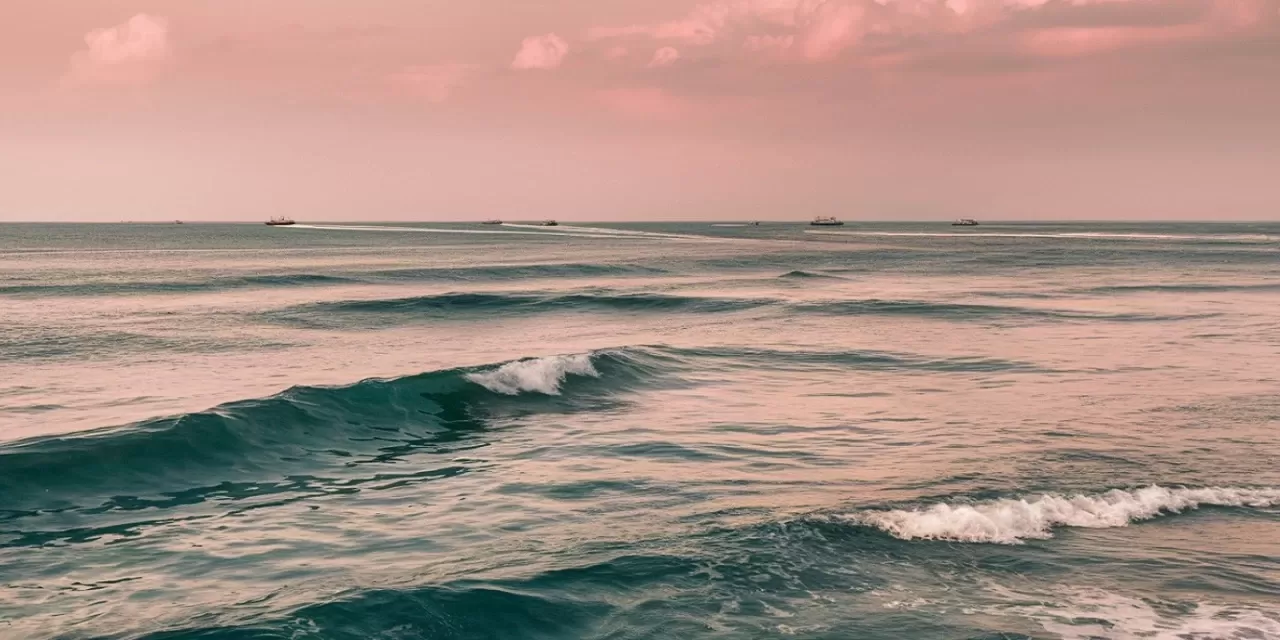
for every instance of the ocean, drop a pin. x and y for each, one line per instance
(626, 431)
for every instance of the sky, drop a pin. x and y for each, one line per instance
(335, 110)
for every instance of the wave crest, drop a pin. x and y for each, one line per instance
(542, 375)
(1012, 521)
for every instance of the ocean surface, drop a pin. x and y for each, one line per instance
(456, 431)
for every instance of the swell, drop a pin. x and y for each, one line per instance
(862, 360)
(383, 311)
(1180, 288)
(974, 312)
(305, 428)
(174, 286)
(381, 276)
(446, 305)
(26, 343)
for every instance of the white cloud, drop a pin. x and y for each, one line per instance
(541, 52)
(129, 53)
(664, 57)
(830, 27)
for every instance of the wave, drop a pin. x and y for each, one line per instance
(809, 275)
(858, 359)
(1013, 521)
(460, 304)
(543, 375)
(967, 311)
(1179, 288)
(376, 420)
(383, 276)
(174, 286)
(389, 311)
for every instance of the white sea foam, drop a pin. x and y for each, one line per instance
(541, 375)
(1085, 614)
(1012, 521)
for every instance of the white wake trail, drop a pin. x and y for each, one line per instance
(345, 227)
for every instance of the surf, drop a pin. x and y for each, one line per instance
(1016, 520)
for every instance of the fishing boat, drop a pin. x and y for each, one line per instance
(548, 223)
(494, 221)
(965, 222)
(828, 221)
(279, 222)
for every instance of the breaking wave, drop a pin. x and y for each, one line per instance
(305, 428)
(1013, 521)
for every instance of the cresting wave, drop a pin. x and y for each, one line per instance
(304, 429)
(1013, 521)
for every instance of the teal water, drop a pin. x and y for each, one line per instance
(640, 431)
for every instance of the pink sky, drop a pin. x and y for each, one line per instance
(640, 110)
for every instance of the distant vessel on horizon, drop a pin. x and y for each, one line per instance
(493, 221)
(548, 223)
(965, 222)
(827, 221)
(279, 222)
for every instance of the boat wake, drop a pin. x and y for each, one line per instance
(532, 230)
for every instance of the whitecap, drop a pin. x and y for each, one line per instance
(541, 375)
(1012, 521)
(1085, 614)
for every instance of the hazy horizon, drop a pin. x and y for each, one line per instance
(392, 111)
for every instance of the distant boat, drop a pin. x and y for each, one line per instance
(755, 223)
(177, 222)
(829, 221)
(965, 222)
(548, 223)
(279, 222)
(495, 221)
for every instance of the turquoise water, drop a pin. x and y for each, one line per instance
(640, 431)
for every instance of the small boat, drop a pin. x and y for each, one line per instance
(177, 222)
(965, 222)
(829, 221)
(279, 222)
(754, 223)
(548, 223)
(494, 221)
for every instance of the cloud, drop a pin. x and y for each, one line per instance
(768, 43)
(432, 83)
(664, 57)
(829, 28)
(129, 53)
(825, 30)
(541, 52)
